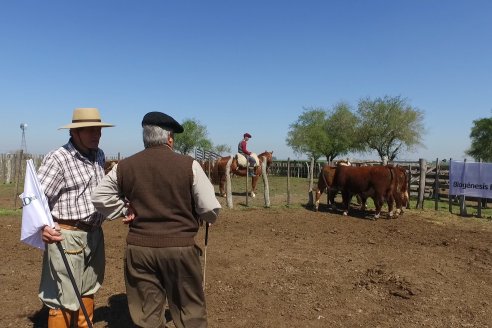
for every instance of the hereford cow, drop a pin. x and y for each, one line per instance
(325, 181)
(399, 194)
(378, 182)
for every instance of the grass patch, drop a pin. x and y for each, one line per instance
(10, 212)
(279, 198)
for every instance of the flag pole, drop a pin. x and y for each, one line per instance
(72, 279)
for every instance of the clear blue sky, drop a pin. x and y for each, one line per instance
(240, 66)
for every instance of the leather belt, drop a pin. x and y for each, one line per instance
(76, 225)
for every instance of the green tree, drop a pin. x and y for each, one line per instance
(193, 136)
(221, 149)
(389, 125)
(481, 140)
(341, 129)
(319, 132)
(308, 134)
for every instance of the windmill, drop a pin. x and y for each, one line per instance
(23, 127)
(18, 167)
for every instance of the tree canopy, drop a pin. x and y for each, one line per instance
(307, 135)
(194, 135)
(389, 125)
(481, 140)
(320, 132)
(341, 129)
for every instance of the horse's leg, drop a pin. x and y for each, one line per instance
(254, 180)
(222, 181)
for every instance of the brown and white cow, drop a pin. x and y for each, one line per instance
(325, 182)
(378, 182)
(400, 191)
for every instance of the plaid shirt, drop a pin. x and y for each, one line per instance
(68, 179)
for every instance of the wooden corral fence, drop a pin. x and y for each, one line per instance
(429, 181)
(205, 155)
(298, 169)
(13, 166)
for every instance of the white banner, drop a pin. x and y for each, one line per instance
(35, 210)
(470, 179)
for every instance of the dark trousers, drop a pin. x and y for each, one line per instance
(153, 275)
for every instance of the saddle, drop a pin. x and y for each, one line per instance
(243, 162)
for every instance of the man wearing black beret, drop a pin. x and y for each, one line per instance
(163, 196)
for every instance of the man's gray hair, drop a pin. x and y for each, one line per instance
(155, 136)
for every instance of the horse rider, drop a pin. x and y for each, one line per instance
(242, 149)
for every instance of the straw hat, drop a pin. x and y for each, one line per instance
(85, 117)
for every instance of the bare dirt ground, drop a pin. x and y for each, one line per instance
(282, 267)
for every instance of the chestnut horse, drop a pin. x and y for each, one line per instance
(217, 170)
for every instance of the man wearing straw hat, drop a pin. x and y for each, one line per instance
(68, 175)
(168, 194)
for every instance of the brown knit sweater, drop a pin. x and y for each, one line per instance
(158, 183)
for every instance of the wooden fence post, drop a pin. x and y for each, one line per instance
(436, 186)
(18, 176)
(409, 183)
(228, 183)
(8, 169)
(266, 189)
(310, 193)
(288, 181)
(450, 201)
(247, 177)
(423, 170)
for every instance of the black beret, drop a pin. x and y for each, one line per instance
(163, 120)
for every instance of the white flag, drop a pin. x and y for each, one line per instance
(35, 210)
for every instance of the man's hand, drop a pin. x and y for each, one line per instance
(51, 235)
(130, 214)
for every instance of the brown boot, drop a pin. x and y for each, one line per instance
(89, 306)
(59, 318)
